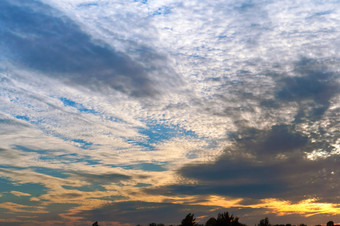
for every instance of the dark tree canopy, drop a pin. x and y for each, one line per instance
(264, 222)
(224, 219)
(211, 222)
(189, 220)
(330, 223)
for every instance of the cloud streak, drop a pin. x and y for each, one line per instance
(36, 38)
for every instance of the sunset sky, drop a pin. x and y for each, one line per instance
(140, 111)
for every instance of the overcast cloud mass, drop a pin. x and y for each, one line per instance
(141, 111)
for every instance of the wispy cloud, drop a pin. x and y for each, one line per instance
(18, 193)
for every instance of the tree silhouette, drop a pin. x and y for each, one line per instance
(224, 219)
(211, 222)
(95, 224)
(264, 222)
(154, 224)
(189, 220)
(330, 223)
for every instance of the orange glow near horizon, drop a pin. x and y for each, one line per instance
(307, 208)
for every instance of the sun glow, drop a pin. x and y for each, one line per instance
(308, 207)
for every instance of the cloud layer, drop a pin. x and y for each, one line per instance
(153, 107)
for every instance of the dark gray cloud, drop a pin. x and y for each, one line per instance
(302, 94)
(33, 36)
(313, 83)
(281, 139)
(101, 178)
(143, 213)
(265, 164)
(273, 163)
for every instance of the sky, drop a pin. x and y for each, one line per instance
(138, 111)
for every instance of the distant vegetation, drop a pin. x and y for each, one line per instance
(223, 219)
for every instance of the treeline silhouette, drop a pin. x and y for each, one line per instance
(223, 219)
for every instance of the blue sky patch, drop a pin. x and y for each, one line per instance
(91, 162)
(156, 133)
(23, 117)
(33, 189)
(78, 106)
(162, 11)
(25, 149)
(10, 167)
(51, 172)
(30, 188)
(83, 144)
(141, 1)
(23, 200)
(151, 167)
(6, 185)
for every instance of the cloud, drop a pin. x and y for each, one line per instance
(276, 161)
(315, 84)
(18, 193)
(189, 103)
(143, 212)
(100, 178)
(235, 174)
(265, 164)
(56, 46)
